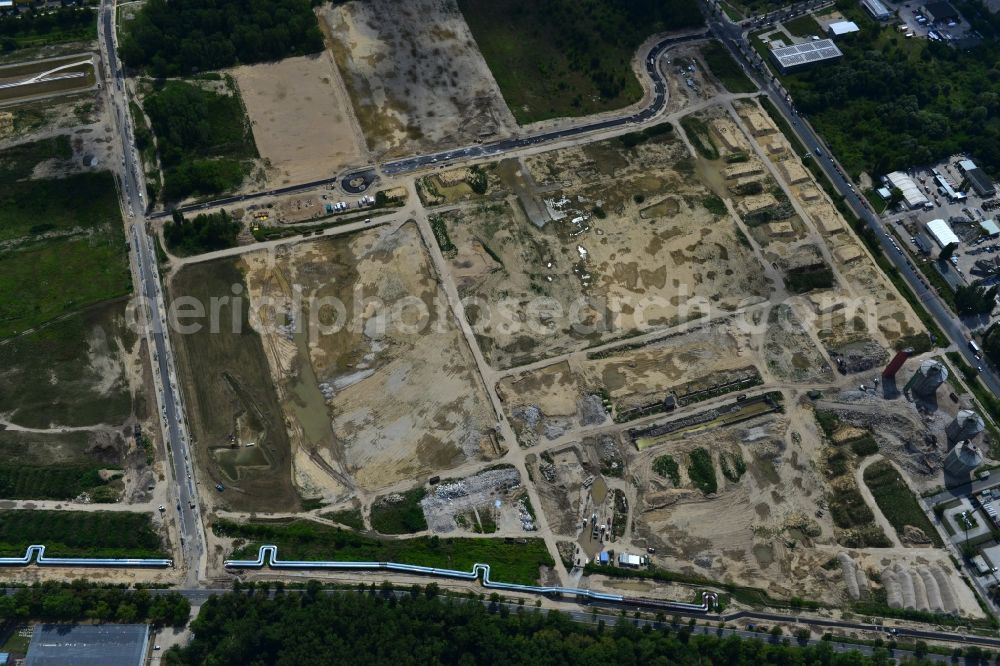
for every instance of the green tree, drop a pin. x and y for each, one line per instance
(975, 300)
(947, 251)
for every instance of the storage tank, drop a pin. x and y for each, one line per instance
(966, 425)
(928, 377)
(963, 459)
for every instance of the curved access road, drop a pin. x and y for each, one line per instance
(358, 181)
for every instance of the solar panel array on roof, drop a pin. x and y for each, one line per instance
(806, 53)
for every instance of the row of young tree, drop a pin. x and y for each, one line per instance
(182, 37)
(422, 627)
(80, 600)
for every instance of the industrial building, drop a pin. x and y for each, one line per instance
(990, 228)
(940, 12)
(793, 57)
(896, 363)
(630, 560)
(876, 10)
(912, 196)
(840, 28)
(945, 188)
(941, 232)
(88, 645)
(977, 179)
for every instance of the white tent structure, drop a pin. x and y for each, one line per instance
(912, 195)
(941, 233)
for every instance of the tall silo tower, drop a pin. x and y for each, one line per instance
(966, 425)
(928, 377)
(963, 459)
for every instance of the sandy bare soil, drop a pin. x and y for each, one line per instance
(302, 120)
(412, 69)
(357, 400)
(818, 228)
(596, 242)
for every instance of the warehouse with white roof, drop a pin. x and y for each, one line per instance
(912, 195)
(941, 233)
(839, 28)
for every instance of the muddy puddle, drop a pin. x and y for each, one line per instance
(305, 399)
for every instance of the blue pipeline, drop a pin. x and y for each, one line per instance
(268, 556)
(36, 553)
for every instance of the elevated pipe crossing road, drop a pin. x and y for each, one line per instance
(36, 554)
(268, 555)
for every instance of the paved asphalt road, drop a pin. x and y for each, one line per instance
(192, 545)
(477, 150)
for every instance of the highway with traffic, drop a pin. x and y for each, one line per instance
(153, 309)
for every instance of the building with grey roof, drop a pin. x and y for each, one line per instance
(977, 179)
(88, 645)
(878, 11)
(940, 12)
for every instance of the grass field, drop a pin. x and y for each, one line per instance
(509, 562)
(804, 26)
(17, 161)
(897, 503)
(725, 68)
(347, 517)
(63, 243)
(52, 87)
(77, 356)
(405, 517)
(58, 465)
(227, 381)
(79, 533)
(568, 58)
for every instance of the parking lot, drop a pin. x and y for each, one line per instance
(963, 216)
(947, 31)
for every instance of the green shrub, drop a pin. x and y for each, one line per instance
(205, 233)
(701, 471)
(667, 467)
(697, 132)
(807, 278)
(732, 464)
(865, 446)
(897, 503)
(402, 517)
(714, 205)
(440, 229)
